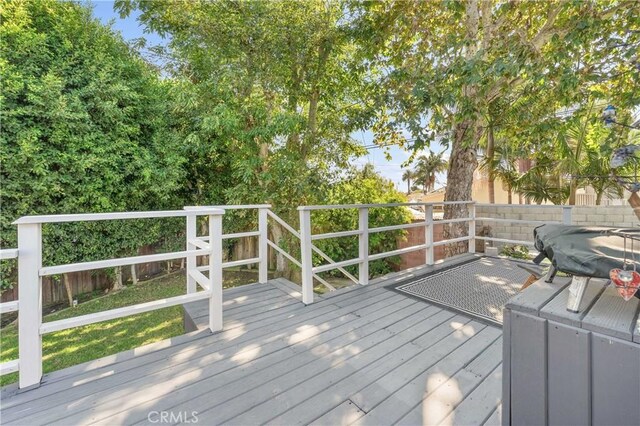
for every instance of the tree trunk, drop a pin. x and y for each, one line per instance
(408, 186)
(117, 285)
(134, 275)
(573, 187)
(67, 287)
(282, 265)
(462, 164)
(598, 197)
(312, 121)
(324, 50)
(509, 196)
(490, 155)
(466, 136)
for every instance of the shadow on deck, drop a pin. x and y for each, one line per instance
(363, 355)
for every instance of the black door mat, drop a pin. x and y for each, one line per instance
(479, 288)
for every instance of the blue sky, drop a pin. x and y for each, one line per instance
(391, 169)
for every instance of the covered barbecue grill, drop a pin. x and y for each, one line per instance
(585, 253)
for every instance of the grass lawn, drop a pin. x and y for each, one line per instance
(77, 345)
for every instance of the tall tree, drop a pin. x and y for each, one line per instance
(84, 129)
(407, 175)
(449, 61)
(426, 168)
(273, 92)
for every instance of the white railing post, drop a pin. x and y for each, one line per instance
(263, 247)
(566, 215)
(30, 302)
(191, 259)
(363, 245)
(428, 234)
(472, 228)
(306, 256)
(215, 272)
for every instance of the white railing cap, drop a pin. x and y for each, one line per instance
(231, 207)
(361, 206)
(89, 217)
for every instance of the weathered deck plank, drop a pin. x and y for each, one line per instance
(495, 419)
(344, 359)
(408, 405)
(234, 384)
(344, 414)
(480, 404)
(341, 389)
(191, 365)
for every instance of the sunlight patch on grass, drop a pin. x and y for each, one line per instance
(77, 345)
(73, 346)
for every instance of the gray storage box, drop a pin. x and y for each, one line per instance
(564, 368)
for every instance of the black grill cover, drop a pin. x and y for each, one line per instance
(584, 251)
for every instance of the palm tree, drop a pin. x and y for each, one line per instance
(427, 167)
(407, 176)
(570, 146)
(502, 164)
(544, 181)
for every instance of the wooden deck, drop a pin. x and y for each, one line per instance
(364, 355)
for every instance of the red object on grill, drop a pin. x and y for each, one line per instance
(626, 282)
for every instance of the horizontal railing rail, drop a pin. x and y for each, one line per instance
(8, 254)
(82, 320)
(6, 307)
(262, 260)
(204, 282)
(30, 273)
(566, 219)
(91, 217)
(358, 206)
(122, 261)
(364, 257)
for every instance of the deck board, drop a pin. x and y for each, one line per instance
(238, 381)
(362, 357)
(495, 419)
(408, 405)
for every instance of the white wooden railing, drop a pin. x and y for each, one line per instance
(363, 231)
(264, 214)
(13, 365)
(309, 272)
(193, 241)
(30, 273)
(30, 268)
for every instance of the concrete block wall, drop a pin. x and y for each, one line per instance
(619, 216)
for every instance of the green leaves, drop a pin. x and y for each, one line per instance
(361, 186)
(85, 128)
